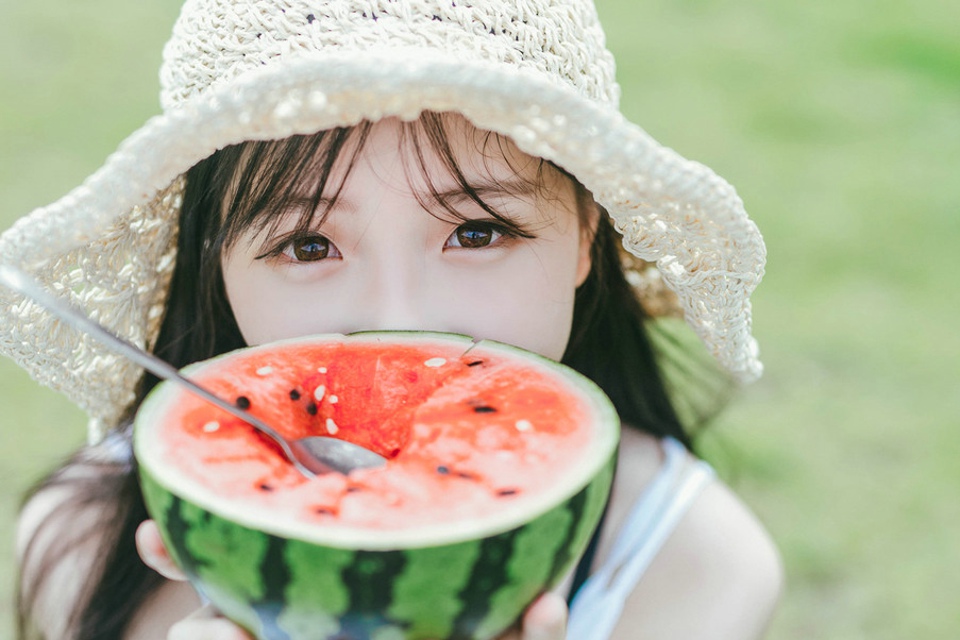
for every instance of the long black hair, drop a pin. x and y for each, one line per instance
(236, 189)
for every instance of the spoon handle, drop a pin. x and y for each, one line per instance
(22, 283)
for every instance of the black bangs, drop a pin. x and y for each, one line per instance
(431, 134)
(262, 180)
(258, 183)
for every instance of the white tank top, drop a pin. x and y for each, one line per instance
(599, 602)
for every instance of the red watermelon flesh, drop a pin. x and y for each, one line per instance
(466, 430)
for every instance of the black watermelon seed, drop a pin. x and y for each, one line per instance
(323, 511)
(243, 402)
(443, 470)
(353, 489)
(466, 476)
(475, 363)
(294, 394)
(507, 492)
(311, 18)
(312, 408)
(484, 409)
(265, 487)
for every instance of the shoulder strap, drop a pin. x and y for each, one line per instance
(596, 607)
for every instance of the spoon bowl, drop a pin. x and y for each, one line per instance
(311, 455)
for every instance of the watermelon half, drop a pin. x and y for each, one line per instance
(499, 466)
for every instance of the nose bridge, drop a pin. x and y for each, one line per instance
(396, 289)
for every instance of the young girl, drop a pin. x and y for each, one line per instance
(344, 165)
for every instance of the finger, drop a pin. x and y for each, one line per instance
(206, 624)
(546, 619)
(153, 552)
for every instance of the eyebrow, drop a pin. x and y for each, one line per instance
(516, 187)
(298, 202)
(482, 189)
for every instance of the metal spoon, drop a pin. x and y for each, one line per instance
(312, 455)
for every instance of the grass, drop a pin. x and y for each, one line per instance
(839, 124)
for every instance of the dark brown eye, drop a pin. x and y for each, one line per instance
(473, 235)
(311, 249)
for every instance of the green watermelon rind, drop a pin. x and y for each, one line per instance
(280, 588)
(573, 480)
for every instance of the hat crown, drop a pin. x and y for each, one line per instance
(215, 42)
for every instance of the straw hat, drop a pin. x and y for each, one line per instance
(534, 70)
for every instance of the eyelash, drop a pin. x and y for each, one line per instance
(287, 246)
(502, 232)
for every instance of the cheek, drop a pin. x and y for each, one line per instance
(541, 326)
(253, 308)
(266, 307)
(529, 306)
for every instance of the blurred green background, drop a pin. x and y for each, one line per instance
(838, 121)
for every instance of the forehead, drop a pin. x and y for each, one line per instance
(437, 150)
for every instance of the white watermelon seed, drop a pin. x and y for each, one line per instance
(322, 369)
(332, 427)
(524, 425)
(318, 392)
(212, 426)
(264, 371)
(333, 399)
(435, 362)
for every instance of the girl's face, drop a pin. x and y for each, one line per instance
(388, 256)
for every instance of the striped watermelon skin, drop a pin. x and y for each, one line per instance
(287, 589)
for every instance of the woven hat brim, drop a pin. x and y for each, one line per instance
(671, 211)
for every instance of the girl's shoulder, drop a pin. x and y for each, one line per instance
(717, 557)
